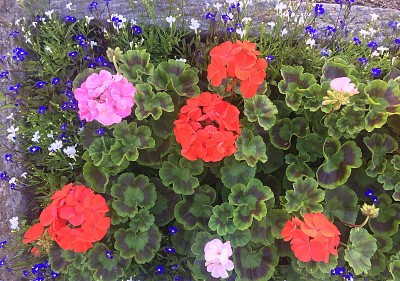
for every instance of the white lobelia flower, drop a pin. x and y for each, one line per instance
(284, 32)
(371, 31)
(280, 7)
(393, 59)
(184, 60)
(50, 135)
(69, 6)
(194, 24)
(310, 42)
(14, 223)
(271, 24)
(382, 49)
(11, 116)
(246, 20)
(170, 20)
(49, 13)
(88, 19)
(55, 146)
(374, 17)
(12, 130)
(240, 32)
(47, 48)
(35, 137)
(364, 33)
(70, 151)
(93, 43)
(375, 54)
(23, 175)
(12, 180)
(217, 5)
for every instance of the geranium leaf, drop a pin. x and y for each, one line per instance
(57, 258)
(195, 210)
(152, 157)
(184, 239)
(394, 266)
(384, 99)
(305, 197)
(233, 172)
(164, 127)
(96, 177)
(378, 264)
(350, 122)
(360, 251)
(342, 203)
(221, 219)
(283, 130)
(142, 246)
(148, 103)
(260, 108)
(239, 238)
(131, 192)
(390, 179)
(135, 66)
(393, 73)
(317, 270)
(250, 148)
(388, 219)
(253, 265)
(297, 167)
(379, 145)
(181, 175)
(311, 144)
(99, 150)
(339, 159)
(142, 221)
(269, 229)
(250, 202)
(332, 70)
(200, 272)
(384, 242)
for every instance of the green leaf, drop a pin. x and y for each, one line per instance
(238, 238)
(342, 203)
(350, 122)
(379, 145)
(297, 167)
(148, 103)
(270, 228)
(233, 172)
(378, 264)
(390, 179)
(195, 210)
(305, 197)
(384, 242)
(339, 159)
(181, 175)
(253, 265)
(384, 99)
(260, 108)
(311, 145)
(283, 130)
(394, 266)
(250, 202)
(360, 251)
(142, 246)
(96, 177)
(131, 192)
(316, 270)
(57, 259)
(332, 70)
(221, 219)
(250, 148)
(388, 219)
(184, 239)
(135, 66)
(142, 221)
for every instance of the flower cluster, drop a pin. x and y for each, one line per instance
(314, 239)
(341, 91)
(207, 128)
(105, 97)
(76, 218)
(238, 61)
(217, 256)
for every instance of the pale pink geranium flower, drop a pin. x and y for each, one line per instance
(217, 256)
(343, 85)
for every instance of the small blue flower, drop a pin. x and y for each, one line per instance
(330, 29)
(375, 199)
(4, 74)
(55, 81)
(92, 65)
(109, 255)
(69, 19)
(175, 267)
(356, 41)
(225, 17)
(63, 127)
(107, 2)
(172, 230)
(393, 24)
(3, 176)
(397, 41)
(169, 250)
(42, 109)
(54, 274)
(179, 278)
(369, 192)
(324, 52)
(8, 157)
(2, 244)
(40, 84)
(311, 30)
(34, 149)
(25, 273)
(372, 44)
(100, 131)
(39, 278)
(363, 60)
(92, 6)
(68, 84)
(82, 124)
(319, 10)
(73, 54)
(210, 16)
(137, 30)
(230, 29)
(160, 269)
(270, 58)
(376, 71)
(64, 106)
(80, 37)
(2, 261)
(15, 88)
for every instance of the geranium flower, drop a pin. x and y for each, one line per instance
(105, 97)
(314, 239)
(217, 256)
(343, 84)
(207, 128)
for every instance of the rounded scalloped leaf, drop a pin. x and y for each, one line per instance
(384, 242)
(339, 159)
(394, 266)
(221, 219)
(163, 209)
(252, 265)
(297, 167)
(342, 203)
(384, 100)
(195, 210)
(275, 159)
(142, 221)
(76, 274)
(181, 175)
(131, 192)
(200, 241)
(103, 267)
(148, 103)
(199, 272)
(250, 148)
(57, 259)
(260, 109)
(332, 70)
(234, 172)
(142, 246)
(239, 238)
(96, 177)
(135, 65)
(390, 179)
(283, 130)
(183, 240)
(250, 201)
(378, 264)
(99, 150)
(388, 219)
(305, 197)
(164, 127)
(153, 157)
(359, 253)
(270, 228)
(350, 122)
(318, 270)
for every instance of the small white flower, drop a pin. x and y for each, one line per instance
(375, 54)
(18, 21)
(301, 19)
(280, 7)
(133, 22)
(35, 137)
(382, 49)
(23, 175)
(230, 1)
(50, 135)
(12, 180)
(364, 33)
(49, 13)
(47, 48)
(310, 42)
(88, 19)
(117, 20)
(34, 23)
(70, 151)
(12, 130)
(55, 146)
(393, 59)
(374, 17)
(14, 223)
(184, 60)
(217, 5)
(69, 6)
(10, 116)
(194, 24)
(240, 32)
(246, 20)
(371, 31)
(271, 24)
(93, 43)
(284, 32)
(131, 44)
(170, 20)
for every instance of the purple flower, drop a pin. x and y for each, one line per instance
(230, 29)
(42, 109)
(63, 127)
(109, 255)
(69, 19)
(3, 176)
(8, 157)
(73, 54)
(225, 17)
(356, 41)
(4, 74)
(324, 52)
(397, 40)
(92, 6)
(107, 2)
(169, 250)
(375, 199)
(34, 149)
(210, 16)
(160, 269)
(393, 24)
(376, 71)
(100, 131)
(270, 58)
(372, 45)
(319, 10)
(172, 230)
(80, 37)
(15, 88)
(137, 30)
(2, 244)
(55, 81)
(40, 84)
(369, 192)
(330, 29)
(363, 60)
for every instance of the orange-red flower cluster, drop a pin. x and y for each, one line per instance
(239, 61)
(314, 239)
(76, 218)
(207, 128)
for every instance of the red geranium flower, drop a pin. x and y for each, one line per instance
(314, 239)
(207, 128)
(75, 219)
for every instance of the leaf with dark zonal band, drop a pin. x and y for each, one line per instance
(342, 203)
(332, 70)
(283, 130)
(221, 219)
(250, 148)
(136, 66)
(339, 159)
(270, 227)
(239, 238)
(388, 219)
(234, 172)
(311, 145)
(297, 167)
(260, 108)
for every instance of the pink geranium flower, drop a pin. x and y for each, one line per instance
(217, 256)
(343, 84)
(105, 97)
